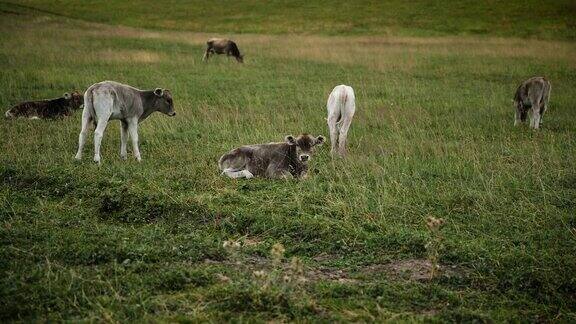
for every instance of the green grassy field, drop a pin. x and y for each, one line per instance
(433, 136)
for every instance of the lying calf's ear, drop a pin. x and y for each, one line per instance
(159, 92)
(290, 139)
(67, 95)
(320, 140)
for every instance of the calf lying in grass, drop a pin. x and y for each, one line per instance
(273, 160)
(47, 108)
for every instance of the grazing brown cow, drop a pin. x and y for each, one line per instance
(273, 160)
(533, 94)
(222, 46)
(48, 108)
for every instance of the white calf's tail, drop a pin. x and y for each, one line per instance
(343, 99)
(89, 103)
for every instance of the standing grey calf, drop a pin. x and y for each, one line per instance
(109, 100)
(341, 107)
(533, 94)
(273, 160)
(222, 46)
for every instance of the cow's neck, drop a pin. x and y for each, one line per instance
(148, 99)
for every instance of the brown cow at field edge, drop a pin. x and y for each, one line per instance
(222, 46)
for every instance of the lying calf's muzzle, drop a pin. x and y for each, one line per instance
(172, 114)
(304, 157)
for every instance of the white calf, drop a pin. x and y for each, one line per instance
(111, 100)
(341, 107)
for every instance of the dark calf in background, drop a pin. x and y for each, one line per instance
(48, 108)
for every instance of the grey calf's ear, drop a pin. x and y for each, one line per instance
(159, 92)
(67, 95)
(290, 139)
(320, 140)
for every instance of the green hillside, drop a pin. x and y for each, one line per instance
(543, 19)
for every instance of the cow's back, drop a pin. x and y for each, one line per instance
(124, 99)
(533, 89)
(219, 45)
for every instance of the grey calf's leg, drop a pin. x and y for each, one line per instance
(535, 120)
(543, 108)
(133, 131)
(123, 140)
(518, 117)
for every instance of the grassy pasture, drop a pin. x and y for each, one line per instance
(433, 136)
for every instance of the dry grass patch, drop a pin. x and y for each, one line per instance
(377, 52)
(130, 56)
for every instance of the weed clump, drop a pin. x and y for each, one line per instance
(435, 245)
(275, 288)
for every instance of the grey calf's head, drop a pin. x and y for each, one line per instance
(164, 103)
(304, 144)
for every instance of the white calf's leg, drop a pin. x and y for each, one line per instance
(133, 130)
(83, 133)
(343, 135)
(333, 128)
(123, 140)
(347, 115)
(98, 134)
(333, 115)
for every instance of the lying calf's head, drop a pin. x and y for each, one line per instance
(76, 99)
(304, 144)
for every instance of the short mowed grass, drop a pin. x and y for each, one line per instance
(433, 136)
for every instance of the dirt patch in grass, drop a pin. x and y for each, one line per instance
(412, 269)
(408, 269)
